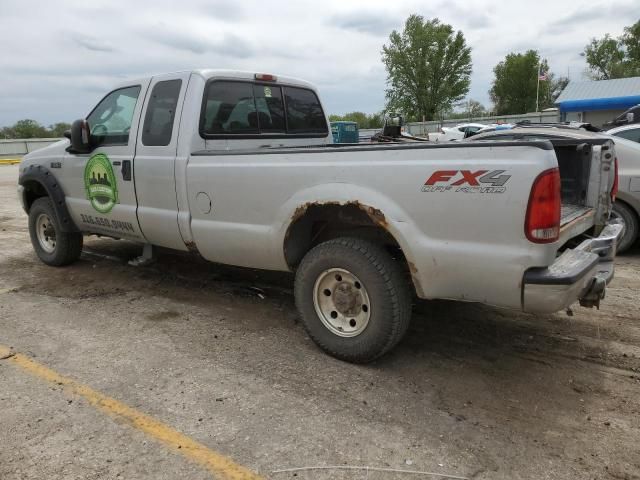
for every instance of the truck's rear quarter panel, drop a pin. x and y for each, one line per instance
(463, 244)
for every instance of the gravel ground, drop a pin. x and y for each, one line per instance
(472, 391)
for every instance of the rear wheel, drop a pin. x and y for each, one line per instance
(52, 245)
(628, 218)
(353, 299)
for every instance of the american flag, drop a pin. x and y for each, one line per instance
(542, 75)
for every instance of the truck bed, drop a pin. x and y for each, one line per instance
(570, 212)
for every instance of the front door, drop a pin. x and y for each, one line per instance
(99, 186)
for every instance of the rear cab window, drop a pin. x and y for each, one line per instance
(241, 109)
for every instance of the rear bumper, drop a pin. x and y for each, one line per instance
(580, 274)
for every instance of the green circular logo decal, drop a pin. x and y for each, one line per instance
(100, 183)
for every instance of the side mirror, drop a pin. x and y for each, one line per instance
(79, 137)
(630, 117)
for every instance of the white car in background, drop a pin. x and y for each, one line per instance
(458, 132)
(630, 132)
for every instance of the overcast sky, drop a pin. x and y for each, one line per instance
(58, 57)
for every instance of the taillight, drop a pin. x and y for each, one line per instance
(614, 188)
(542, 223)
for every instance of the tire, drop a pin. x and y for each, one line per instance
(338, 274)
(53, 246)
(630, 221)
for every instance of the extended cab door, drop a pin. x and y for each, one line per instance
(156, 152)
(100, 190)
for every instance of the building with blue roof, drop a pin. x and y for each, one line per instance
(598, 101)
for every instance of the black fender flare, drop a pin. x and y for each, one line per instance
(42, 176)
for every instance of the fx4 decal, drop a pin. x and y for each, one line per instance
(467, 181)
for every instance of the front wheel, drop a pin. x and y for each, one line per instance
(353, 299)
(53, 246)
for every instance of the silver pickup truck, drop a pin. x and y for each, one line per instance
(240, 168)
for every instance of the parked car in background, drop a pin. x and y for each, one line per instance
(458, 132)
(630, 132)
(625, 118)
(626, 207)
(491, 128)
(627, 204)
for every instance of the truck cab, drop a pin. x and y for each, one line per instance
(124, 133)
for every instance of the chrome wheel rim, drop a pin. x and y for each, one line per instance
(342, 302)
(46, 233)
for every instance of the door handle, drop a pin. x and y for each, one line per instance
(126, 170)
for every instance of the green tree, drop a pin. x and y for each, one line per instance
(363, 120)
(605, 58)
(28, 129)
(57, 129)
(31, 129)
(516, 82)
(428, 68)
(475, 109)
(609, 58)
(631, 41)
(6, 132)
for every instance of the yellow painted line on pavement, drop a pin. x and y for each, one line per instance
(9, 161)
(220, 466)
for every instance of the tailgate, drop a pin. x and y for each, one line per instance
(586, 174)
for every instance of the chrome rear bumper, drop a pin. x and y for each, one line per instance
(579, 274)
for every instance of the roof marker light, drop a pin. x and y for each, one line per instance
(265, 77)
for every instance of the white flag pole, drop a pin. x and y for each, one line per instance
(538, 87)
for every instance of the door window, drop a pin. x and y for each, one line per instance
(161, 111)
(110, 121)
(630, 134)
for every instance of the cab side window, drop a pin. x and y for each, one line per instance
(161, 111)
(110, 121)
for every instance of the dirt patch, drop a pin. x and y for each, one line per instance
(165, 315)
(472, 390)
